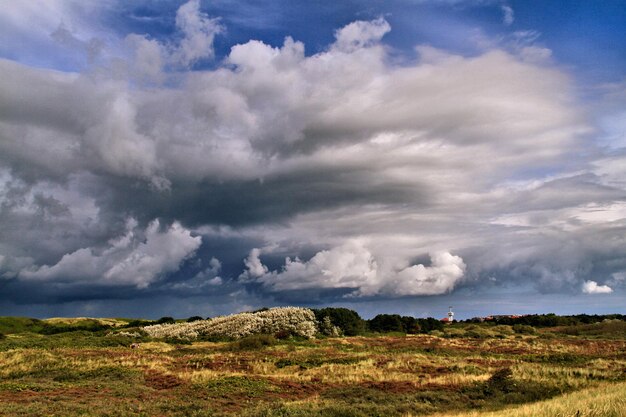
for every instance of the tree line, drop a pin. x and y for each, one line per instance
(552, 320)
(351, 324)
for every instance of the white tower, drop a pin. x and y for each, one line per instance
(450, 315)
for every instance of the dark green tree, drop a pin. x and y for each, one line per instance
(411, 325)
(386, 323)
(349, 321)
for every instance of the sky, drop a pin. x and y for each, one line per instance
(180, 158)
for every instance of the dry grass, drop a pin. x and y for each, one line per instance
(357, 376)
(607, 400)
(72, 321)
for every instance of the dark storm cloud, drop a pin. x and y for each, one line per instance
(240, 203)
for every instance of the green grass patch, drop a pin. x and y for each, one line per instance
(75, 339)
(107, 373)
(557, 359)
(12, 325)
(235, 385)
(19, 386)
(314, 362)
(253, 342)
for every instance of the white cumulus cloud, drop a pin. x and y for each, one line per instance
(254, 266)
(199, 32)
(440, 277)
(359, 34)
(592, 287)
(353, 266)
(132, 259)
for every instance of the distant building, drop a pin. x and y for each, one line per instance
(450, 318)
(501, 316)
(495, 317)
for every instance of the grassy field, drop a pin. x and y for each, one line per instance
(463, 371)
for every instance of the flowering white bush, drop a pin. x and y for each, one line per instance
(293, 320)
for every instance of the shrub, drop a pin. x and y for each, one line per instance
(139, 323)
(454, 332)
(477, 332)
(501, 380)
(177, 341)
(524, 329)
(166, 320)
(194, 318)
(502, 388)
(293, 320)
(504, 330)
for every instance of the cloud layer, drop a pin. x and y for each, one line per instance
(370, 175)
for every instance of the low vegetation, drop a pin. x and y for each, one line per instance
(393, 366)
(282, 320)
(606, 400)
